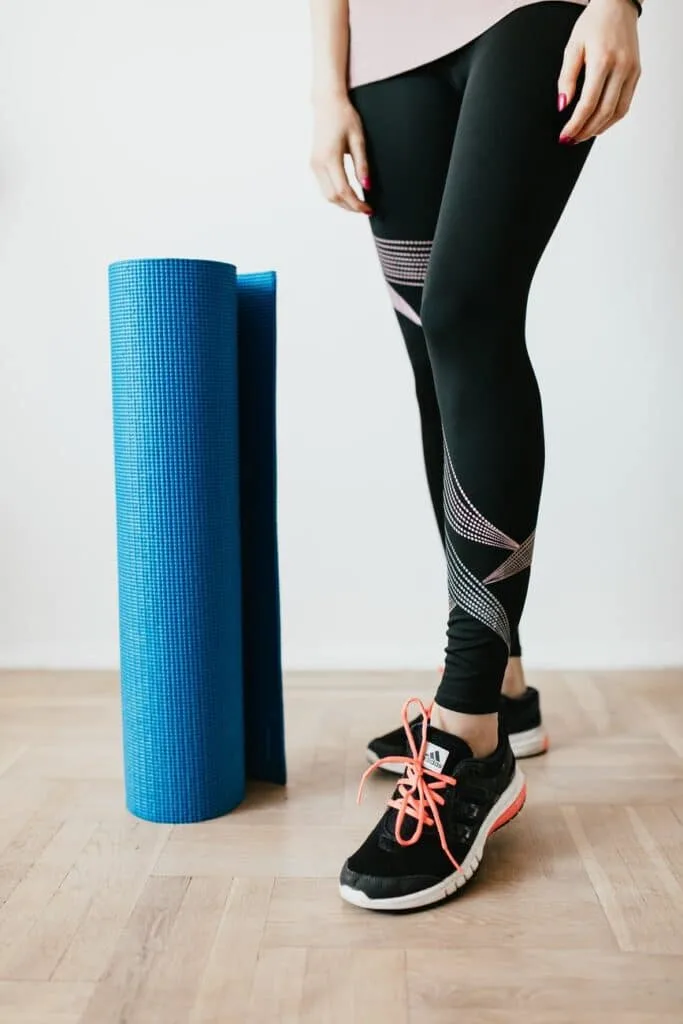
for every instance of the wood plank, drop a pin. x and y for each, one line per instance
(443, 983)
(616, 785)
(32, 1002)
(641, 895)
(46, 683)
(74, 936)
(141, 943)
(228, 981)
(24, 833)
(171, 988)
(309, 912)
(277, 992)
(260, 850)
(88, 953)
(28, 900)
(354, 986)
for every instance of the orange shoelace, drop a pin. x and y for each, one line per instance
(420, 790)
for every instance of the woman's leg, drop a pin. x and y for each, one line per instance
(410, 123)
(507, 183)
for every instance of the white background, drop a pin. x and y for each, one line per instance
(181, 128)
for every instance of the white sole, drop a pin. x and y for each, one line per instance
(505, 809)
(530, 743)
(524, 744)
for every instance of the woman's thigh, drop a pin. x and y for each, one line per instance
(509, 178)
(410, 123)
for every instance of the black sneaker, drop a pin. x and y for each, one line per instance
(520, 717)
(430, 840)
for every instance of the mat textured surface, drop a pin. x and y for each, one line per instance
(175, 394)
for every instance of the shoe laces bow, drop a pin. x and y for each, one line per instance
(420, 790)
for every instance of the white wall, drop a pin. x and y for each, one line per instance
(180, 127)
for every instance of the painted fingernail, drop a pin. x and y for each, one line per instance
(561, 101)
(566, 140)
(365, 182)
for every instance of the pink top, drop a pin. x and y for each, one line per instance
(391, 36)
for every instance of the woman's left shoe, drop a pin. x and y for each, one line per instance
(519, 716)
(431, 839)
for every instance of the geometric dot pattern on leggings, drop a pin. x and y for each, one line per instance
(465, 590)
(404, 263)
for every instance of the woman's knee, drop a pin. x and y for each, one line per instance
(467, 317)
(447, 312)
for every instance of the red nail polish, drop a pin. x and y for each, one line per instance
(566, 140)
(561, 102)
(366, 184)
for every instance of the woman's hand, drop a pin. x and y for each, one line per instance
(605, 40)
(338, 130)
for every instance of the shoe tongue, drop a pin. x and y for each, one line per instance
(443, 752)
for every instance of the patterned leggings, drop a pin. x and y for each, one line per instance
(468, 184)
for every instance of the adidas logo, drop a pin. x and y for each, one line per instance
(435, 757)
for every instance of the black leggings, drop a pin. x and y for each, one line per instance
(468, 183)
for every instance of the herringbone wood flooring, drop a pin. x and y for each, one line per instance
(576, 916)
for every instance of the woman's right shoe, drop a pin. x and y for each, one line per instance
(520, 717)
(431, 839)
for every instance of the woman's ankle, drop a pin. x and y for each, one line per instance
(480, 732)
(514, 683)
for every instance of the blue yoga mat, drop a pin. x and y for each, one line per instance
(264, 720)
(176, 391)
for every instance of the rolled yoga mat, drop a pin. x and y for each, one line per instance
(176, 382)
(264, 720)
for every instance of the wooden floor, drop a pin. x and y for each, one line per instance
(576, 916)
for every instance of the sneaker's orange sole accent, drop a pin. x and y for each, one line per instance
(511, 812)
